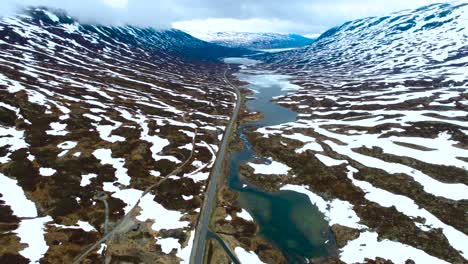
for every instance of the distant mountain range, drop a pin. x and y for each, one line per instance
(256, 41)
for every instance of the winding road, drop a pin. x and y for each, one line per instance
(201, 232)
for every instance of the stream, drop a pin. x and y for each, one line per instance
(287, 219)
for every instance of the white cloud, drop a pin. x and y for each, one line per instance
(116, 3)
(292, 16)
(309, 18)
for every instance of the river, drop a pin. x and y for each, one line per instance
(287, 219)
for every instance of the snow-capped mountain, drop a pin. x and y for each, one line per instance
(256, 41)
(429, 43)
(96, 37)
(92, 113)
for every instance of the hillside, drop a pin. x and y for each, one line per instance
(428, 43)
(380, 141)
(92, 113)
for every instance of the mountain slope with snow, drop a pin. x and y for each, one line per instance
(91, 113)
(429, 43)
(257, 41)
(380, 143)
(96, 36)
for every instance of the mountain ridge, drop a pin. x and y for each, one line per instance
(162, 40)
(257, 41)
(424, 43)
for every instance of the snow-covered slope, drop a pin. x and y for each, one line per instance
(380, 143)
(255, 40)
(429, 43)
(96, 37)
(88, 112)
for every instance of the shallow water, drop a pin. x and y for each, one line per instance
(287, 219)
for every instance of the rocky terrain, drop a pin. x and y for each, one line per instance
(380, 144)
(107, 137)
(256, 41)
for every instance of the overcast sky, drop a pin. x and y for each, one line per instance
(282, 16)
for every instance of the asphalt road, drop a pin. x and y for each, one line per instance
(209, 202)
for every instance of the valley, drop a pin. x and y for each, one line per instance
(349, 185)
(126, 144)
(203, 231)
(273, 212)
(380, 151)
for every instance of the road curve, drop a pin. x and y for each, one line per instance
(201, 232)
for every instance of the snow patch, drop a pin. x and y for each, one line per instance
(368, 246)
(47, 172)
(247, 256)
(245, 215)
(14, 196)
(31, 232)
(327, 161)
(275, 168)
